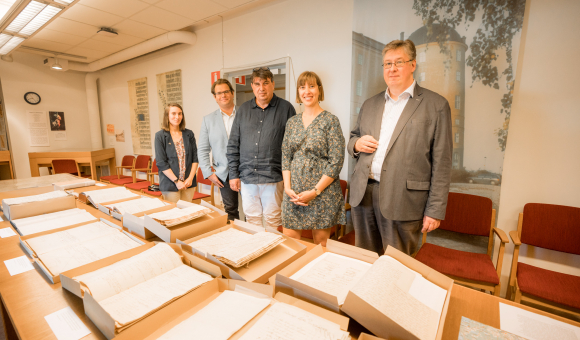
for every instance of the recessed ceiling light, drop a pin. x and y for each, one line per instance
(10, 45)
(42, 18)
(107, 32)
(24, 17)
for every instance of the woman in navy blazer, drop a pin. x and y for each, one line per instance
(176, 156)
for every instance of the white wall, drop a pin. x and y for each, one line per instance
(317, 37)
(542, 158)
(59, 91)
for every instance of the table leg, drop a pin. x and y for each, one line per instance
(112, 166)
(93, 170)
(9, 332)
(34, 168)
(11, 170)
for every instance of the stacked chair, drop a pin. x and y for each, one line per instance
(128, 162)
(141, 165)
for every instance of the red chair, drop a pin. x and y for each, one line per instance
(198, 196)
(67, 166)
(144, 184)
(348, 238)
(554, 227)
(467, 214)
(127, 163)
(141, 165)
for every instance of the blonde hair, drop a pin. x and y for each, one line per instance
(312, 79)
(165, 125)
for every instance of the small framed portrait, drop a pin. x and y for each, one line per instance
(57, 121)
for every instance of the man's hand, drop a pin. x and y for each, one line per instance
(366, 144)
(216, 180)
(235, 184)
(430, 224)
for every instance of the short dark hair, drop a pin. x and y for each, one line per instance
(407, 45)
(165, 125)
(263, 73)
(219, 82)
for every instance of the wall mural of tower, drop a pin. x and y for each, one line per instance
(443, 70)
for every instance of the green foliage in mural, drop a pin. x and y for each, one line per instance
(501, 20)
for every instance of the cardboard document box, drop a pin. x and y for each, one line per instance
(381, 325)
(16, 211)
(82, 197)
(136, 225)
(187, 229)
(172, 315)
(49, 275)
(365, 336)
(102, 206)
(99, 316)
(74, 287)
(260, 269)
(283, 283)
(75, 183)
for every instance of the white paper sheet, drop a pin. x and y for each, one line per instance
(100, 184)
(108, 195)
(18, 265)
(66, 325)
(428, 293)
(333, 274)
(220, 319)
(136, 205)
(35, 198)
(7, 232)
(534, 326)
(36, 224)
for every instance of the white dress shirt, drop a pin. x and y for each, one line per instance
(228, 120)
(391, 115)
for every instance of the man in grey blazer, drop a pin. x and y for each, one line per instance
(402, 142)
(214, 135)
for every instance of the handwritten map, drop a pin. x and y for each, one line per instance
(168, 90)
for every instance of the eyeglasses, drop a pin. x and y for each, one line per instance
(398, 63)
(261, 69)
(223, 92)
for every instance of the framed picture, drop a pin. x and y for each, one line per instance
(57, 122)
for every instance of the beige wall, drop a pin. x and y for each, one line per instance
(542, 158)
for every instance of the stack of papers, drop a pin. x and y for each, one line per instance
(403, 295)
(131, 289)
(33, 198)
(220, 319)
(333, 274)
(285, 322)
(235, 247)
(72, 248)
(108, 195)
(136, 206)
(36, 224)
(77, 183)
(175, 216)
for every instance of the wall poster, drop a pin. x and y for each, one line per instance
(56, 121)
(38, 128)
(140, 128)
(467, 52)
(169, 91)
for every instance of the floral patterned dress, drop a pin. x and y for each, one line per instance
(180, 148)
(308, 154)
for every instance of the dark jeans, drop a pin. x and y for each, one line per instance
(375, 233)
(230, 199)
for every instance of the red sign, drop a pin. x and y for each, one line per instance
(215, 76)
(241, 80)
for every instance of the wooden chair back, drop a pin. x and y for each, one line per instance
(65, 166)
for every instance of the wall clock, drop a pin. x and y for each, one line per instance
(32, 98)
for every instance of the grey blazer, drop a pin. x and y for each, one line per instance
(416, 172)
(213, 137)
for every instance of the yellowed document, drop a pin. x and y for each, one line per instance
(534, 326)
(59, 219)
(333, 274)
(136, 205)
(108, 195)
(175, 216)
(220, 319)
(34, 198)
(286, 322)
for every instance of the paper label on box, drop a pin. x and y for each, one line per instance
(66, 325)
(7, 232)
(18, 265)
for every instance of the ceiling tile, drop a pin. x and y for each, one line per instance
(121, 39)
(91, 16)
(137, 29)
(87, 52)
(46, 45)
(151, 1)
(232, 3)
(124, 8)
(193, 9)
(161, 18)
(60, 37)
(73, 27)
(101, 46)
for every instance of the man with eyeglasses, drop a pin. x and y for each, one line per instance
(215, 131)
(402, 143)
(255, 150)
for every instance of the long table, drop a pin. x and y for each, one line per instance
(28, 297)
(82, 156)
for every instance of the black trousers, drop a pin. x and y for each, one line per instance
(230, 199)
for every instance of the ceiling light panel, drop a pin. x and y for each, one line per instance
(10, 45)
(42, 18)
(28, 13)
(4, 39)
(65, 2)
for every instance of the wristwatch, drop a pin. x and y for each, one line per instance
(318, 192)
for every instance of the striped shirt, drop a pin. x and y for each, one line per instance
(391, 115)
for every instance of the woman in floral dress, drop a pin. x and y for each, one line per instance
(312, 158)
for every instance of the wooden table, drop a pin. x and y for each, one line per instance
(82, 156)
(5, 157)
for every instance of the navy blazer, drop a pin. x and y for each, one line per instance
(166, 157)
